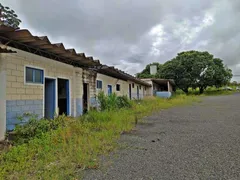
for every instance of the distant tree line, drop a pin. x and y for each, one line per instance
(192, 69)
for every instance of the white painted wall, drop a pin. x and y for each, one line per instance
(2, 101)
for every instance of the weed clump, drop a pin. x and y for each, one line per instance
(113, 102)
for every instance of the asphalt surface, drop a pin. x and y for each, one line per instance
(201, 141)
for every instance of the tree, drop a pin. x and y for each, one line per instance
(8, 17)
(197, 70)
(146, 72)
(222, 75)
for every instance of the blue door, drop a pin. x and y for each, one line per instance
(109, 89)
(49, 103)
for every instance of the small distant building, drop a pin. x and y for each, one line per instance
(160, 87)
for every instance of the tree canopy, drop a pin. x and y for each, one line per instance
(8, 17)
(192, 69)
(196, 70)
(146, 72)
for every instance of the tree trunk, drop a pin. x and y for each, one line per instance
(201, 90)
(185, 90)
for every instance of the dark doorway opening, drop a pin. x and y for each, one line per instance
(49, 99)
(130, 91)
(138, 92)
(63, 97)
(85, 98)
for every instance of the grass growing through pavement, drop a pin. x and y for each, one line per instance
(65, 152)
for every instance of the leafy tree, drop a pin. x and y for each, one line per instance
(222, 75)
(8, 17)
(197, 70)
(146, 72)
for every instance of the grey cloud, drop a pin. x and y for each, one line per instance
(117, 32)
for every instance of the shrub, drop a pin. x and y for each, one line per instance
(35, 127)
(113, 102)
(123, 102)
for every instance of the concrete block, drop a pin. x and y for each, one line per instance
(11, 78)
(15, 97)
(9, 72)
(11, 115)
(11, 103)
(39, 112)
(26, 108)
(20, 79)
(20, 68)
(29, 102)
(29, 91)
(17, 84)
(21, 102)
(12, 66)
(17, 73)
(38, 102)
(11, 90)
(9, 84)
(13, 121)
(20, 91)
(10, 127)
(16, 108)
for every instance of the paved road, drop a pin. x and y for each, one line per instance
(193, 142)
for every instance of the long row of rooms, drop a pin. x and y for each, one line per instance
(44, 79)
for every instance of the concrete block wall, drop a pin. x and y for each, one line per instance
(78, 91)
(107, 80)
(19, 94)
(17, 108)
(89, 77)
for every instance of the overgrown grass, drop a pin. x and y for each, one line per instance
(65, 152)
(210, 91)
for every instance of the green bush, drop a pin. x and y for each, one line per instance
(123, 102)
(113, 102)
(35, 128)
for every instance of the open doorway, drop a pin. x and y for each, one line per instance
(49, 99)
(130, 91)
(138, 92)
(63, 97)
(85, 98)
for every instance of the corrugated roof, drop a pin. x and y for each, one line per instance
(5, 50)
(41, 45)
(23, 39)
(114, 72)
(160, 81)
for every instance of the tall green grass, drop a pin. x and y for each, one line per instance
(65, 152)
(210, 91)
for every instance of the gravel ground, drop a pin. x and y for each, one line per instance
(201, 141)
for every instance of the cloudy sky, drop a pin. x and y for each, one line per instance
(132, 33)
